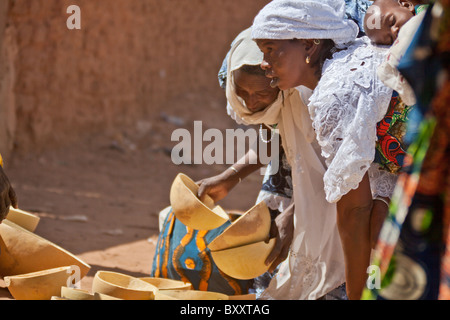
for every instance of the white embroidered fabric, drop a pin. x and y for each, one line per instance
(382, 182)
(345, 107)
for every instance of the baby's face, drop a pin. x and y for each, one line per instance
(384, 19)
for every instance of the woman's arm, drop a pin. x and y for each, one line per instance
(283, 230)
(353, 221)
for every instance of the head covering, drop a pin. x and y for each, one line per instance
(311, 19)
(244, 51)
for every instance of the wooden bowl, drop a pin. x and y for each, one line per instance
(190, 210)
(123, 286)
(40, 285)
(76, 294)
(168, 284)
(23, 219)
(79, 294)
(244, 262)
(194, 295)
(250, 296)
(101, 296)
(253, 226)
(23, 252)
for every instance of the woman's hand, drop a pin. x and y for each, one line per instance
(7, 195)
(219, 186)
(283, 230)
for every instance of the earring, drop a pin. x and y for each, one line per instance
(308, 60)
(316, 42)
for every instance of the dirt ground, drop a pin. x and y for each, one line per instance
(99, 198)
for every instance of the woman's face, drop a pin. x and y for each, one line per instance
(284, 62)
(255, 90)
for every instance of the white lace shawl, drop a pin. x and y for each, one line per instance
(345, 107)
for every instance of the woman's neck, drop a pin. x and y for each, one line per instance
(311, 79)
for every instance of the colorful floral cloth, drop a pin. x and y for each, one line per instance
(391, 147)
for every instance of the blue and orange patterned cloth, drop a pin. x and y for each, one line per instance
(182, 254)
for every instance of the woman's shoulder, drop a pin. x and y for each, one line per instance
(350, 81)
(351, 73)
(359, 56)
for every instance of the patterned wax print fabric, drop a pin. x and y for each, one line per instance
(412, 252)
(182, 254)
(391, 145)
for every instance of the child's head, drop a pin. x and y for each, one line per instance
(384, 18)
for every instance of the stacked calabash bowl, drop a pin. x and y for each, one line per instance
(190, 210)
(109, 285)
(32, 267)
(241, 250)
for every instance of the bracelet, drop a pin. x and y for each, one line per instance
(236, 172)
(381, 199)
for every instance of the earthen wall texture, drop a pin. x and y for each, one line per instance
(131, 60)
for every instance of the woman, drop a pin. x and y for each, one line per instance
(311, 44)
(316, 269)
(178, 253)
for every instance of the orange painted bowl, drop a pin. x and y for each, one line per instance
(190, 210)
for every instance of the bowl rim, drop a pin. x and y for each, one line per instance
(122, 275)
(37, 274)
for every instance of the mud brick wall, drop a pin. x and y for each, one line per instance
(130, 60)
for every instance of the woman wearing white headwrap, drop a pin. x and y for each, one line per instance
(311, 44)
(310, 279)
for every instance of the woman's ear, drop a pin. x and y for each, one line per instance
(407, 5)
(310, 47)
